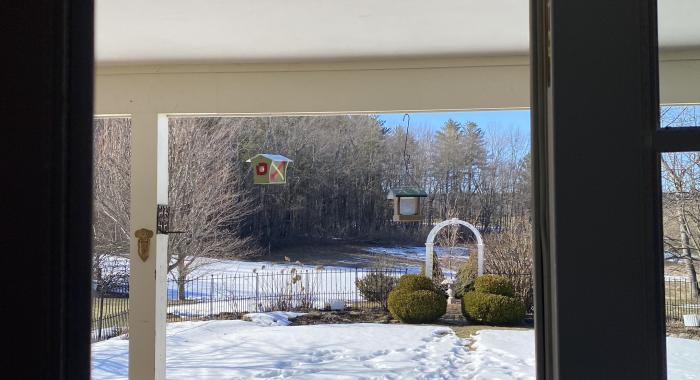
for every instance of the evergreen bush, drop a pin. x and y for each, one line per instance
(492, 308)
(493, 284)
(418, 306)
(492, 301)
(415, 282)
(416, 300)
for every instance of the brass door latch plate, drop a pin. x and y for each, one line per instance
(144, 235)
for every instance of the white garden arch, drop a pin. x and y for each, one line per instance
(434, 232)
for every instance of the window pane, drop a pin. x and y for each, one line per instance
(681, 227)
(680, 116)
(679, 61)
(110, 227)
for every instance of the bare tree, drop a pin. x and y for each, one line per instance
(681, 180)
(452, 240)
(110, 222)
(681, 202)
(507, 253)
(205, 195)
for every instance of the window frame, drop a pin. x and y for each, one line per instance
(565, 82)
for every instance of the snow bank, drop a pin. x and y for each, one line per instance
(273, 318)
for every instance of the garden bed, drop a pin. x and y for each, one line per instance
(336, 317)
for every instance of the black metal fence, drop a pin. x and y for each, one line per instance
(232, 295)
(288, 290)
(110, 312)
(679, 299)
(223, 296)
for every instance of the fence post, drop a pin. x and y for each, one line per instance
(257, 292)
(355, 286)
(211, 296)
(99, 329)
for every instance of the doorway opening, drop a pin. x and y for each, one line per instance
(321, 252)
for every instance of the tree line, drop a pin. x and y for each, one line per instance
(342, 170)
(344, 166)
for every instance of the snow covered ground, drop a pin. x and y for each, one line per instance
(243, 350)
(235, 267)
(266, 348)
(683, 357)
(418, 252)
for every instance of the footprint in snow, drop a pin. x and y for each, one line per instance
(442, 332)
(270, 373)
(374, 354)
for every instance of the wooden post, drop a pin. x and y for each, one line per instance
(147, 279)
(429, 260)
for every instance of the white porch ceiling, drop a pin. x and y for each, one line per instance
(232, 31)
(262, 31)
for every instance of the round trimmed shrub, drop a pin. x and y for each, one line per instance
(418, 306)
(493, 284)
(375, 287)
(492, 308)
(413, 282)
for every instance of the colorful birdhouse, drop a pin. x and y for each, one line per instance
(407, 199)
(269, 169)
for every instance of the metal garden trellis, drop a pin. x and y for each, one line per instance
(431, 238)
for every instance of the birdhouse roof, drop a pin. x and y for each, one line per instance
(273, 157)
(406, 191)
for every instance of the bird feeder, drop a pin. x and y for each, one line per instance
(407, 207)
(269, 169)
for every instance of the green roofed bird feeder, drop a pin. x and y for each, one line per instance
(407, 207)
(269, 169)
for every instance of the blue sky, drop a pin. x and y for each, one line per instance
(489, 121)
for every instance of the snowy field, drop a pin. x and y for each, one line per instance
(418, 252)
(267, 348)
